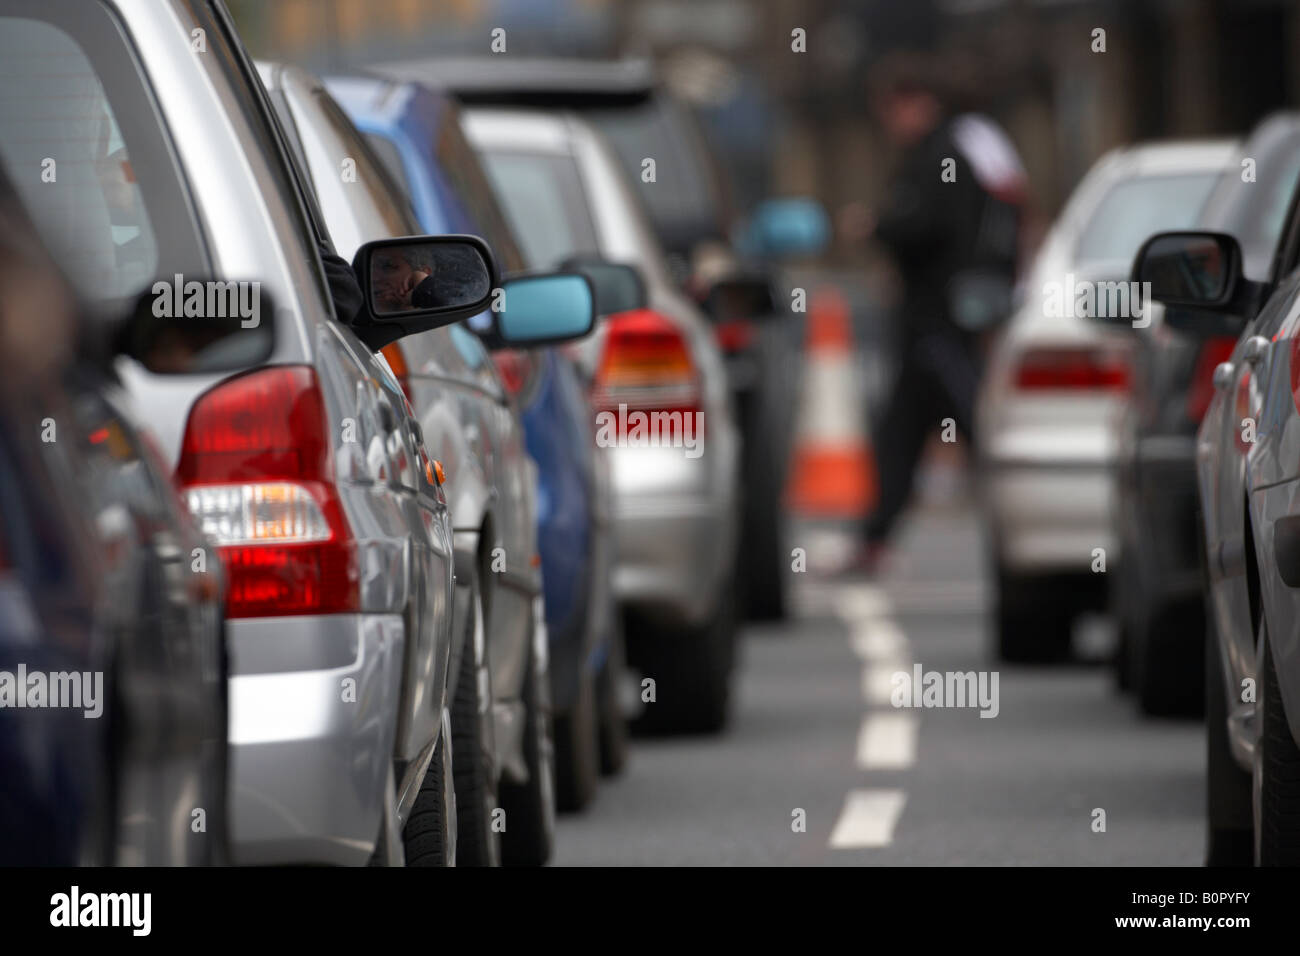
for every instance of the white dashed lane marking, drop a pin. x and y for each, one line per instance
(868, 819)
(887, 741)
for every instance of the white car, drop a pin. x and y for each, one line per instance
(1057, 383)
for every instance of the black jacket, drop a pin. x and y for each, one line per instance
(930, 227)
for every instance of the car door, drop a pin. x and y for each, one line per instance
(1237, 453)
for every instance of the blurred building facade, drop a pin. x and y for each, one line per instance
(780, 83)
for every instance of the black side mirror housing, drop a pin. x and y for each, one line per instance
(1198, 277)
(618, 287)
(416, 283)
(743, 296)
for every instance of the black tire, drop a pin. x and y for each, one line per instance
(764, 566)
(577, 749)
(1030, 626)
(1277, 822)
(692, 673)
(473, 766)
(1123, 668)
(1228, 816)
(427, 836)
(613, 725)
(1167, 660)
(529, 837)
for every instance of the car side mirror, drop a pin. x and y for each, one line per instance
(418, 283)
(194, 327)
(1198, 276)
(546, 309)
(618, 287)
(745, 296)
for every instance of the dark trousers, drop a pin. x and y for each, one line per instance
(937, 379)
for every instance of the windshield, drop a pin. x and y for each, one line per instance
(686, 206)
(1135, 208)
(1254, 210)
(543, 199)
(85, 148)
(340, 161)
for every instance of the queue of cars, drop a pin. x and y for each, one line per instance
(306, 486)
(1171, 495)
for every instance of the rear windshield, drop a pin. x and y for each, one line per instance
(83, 144)
(543, 200)
(1135, 208)
(684, 205)
(1254, 211)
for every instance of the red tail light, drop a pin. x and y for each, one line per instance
(256, 472)
(734, 335)
(1201, 388)
(1073, 368)
(646, 366)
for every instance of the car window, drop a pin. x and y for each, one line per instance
(1135, 208)
(460, 164)
(387, 152)
(339, 160)
(543, 199)
(1254, 210)
(684, 201)
(82, 140)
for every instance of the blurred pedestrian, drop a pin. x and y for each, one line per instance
(951, 224)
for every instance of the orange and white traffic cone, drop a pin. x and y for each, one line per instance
(833, 473)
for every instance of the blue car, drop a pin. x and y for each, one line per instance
(416, 131)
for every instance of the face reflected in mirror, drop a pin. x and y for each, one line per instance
(416, 277)
(1186, 268)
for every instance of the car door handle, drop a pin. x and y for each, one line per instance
(1223, 375)
(1254, 349)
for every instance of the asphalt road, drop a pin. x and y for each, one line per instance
(814, 730)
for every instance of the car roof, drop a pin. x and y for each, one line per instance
(552, 81)
(528, 130)
(1159, 157)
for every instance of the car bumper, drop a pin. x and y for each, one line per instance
(673, 531)
(313, 717)
(1051, 518)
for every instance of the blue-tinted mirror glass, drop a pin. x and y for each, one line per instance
(548, 308)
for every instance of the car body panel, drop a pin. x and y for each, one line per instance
(421, 129)
(674, 515)
(1050, 453)
(254, 224)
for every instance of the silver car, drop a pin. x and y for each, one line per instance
(467, 418)
(675, 498)
(306, 472)
(1248, 479)
(1049, 410)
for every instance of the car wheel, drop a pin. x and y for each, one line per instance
(577, 748)
(428, 838)
(474, 769)
(1167, 667)
(763, 565)
(692, 674)
(613, 725)
(529, 836)
(1277, 775)
(1031, 627)
(1227, 787)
